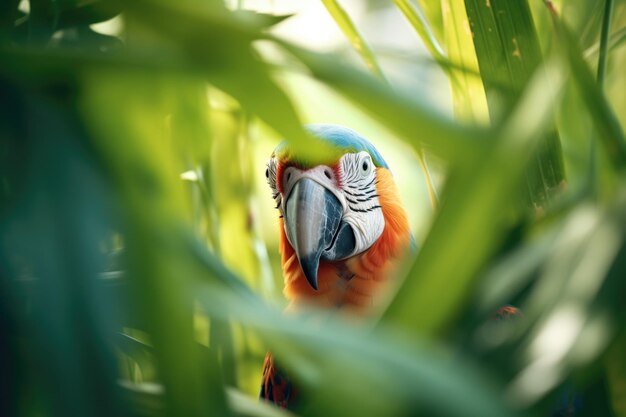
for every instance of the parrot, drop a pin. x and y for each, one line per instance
(343, 231)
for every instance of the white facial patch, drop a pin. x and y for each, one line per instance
(364, 213)
(270, 176)
(355, 189)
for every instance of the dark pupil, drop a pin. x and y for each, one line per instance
(267, 173)
(365, 166)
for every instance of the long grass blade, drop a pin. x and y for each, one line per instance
(418, 21)
(610, 131)
(436, 288)
(354, 37)
(603, 56)
(615, 40)
(508, 52)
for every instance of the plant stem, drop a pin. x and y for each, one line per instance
(419, 23)
(432, 191)
(604, 41)
(616, 39)
(356, 40)
(602, 62)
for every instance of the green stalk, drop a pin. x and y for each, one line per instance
(356, 40)
(604, 42)
(417, 19)
(606, 123)
(615, 40)
(601, 75)
(508, 52)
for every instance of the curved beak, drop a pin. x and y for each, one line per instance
(314, 227)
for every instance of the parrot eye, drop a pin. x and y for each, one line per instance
(366, 166)
(270, 175)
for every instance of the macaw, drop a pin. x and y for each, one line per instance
(343, 230)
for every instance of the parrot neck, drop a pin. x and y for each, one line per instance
(356, 282)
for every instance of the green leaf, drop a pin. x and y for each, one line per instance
(405, 115)
(436, 288)
(243, 405)
(418, 21)
(468, 94)
(610, 131)
(616, 370)
(335, 351)
(354, 37)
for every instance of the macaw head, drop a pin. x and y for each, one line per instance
(330, 211)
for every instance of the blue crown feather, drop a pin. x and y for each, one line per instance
(340, 138)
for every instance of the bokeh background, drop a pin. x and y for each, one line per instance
(139, 268)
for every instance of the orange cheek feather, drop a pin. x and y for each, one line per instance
(370, 268)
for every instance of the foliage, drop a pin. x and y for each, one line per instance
(135, 277)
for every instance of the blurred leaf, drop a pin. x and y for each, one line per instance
(405, 115)
(132, 346)
(232, 67)
(58, 212)
(616, 373)
(155, 210)
(583, 271)
(508, 52)
(87, 12)
(607, 125)
(243, 405)
(615, 41)
(433, 13)
(260, 20)
(316, 355)
(436, 288)
(145, 399)
(512, 273)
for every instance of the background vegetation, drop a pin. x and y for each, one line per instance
(138, 261)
